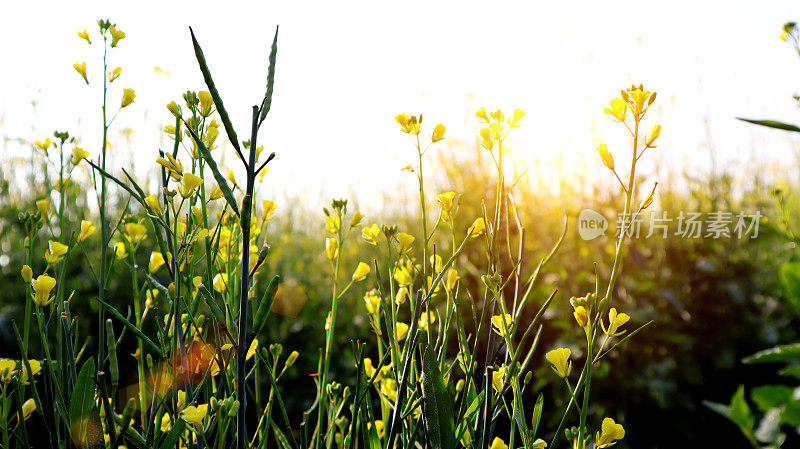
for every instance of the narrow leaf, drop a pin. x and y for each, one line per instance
(267, 103)
(438, 404)
(212, 164)
(131, 327)
(772, 124)
(81, 405)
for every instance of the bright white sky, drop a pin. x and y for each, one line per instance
(345, 70)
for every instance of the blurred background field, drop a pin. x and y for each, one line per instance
(714, 301)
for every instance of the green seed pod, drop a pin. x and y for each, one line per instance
(111, 343)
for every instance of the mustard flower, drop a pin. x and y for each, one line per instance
(331, 248)
(389, 389)
(502, 324)
(114, 74)
(44, 208)
(498, 378)
(78, 154)
(333, 223)
(423, 320)
(42, 286)
(404, 273)
(195, 415)
(251, 351)
(55, 252)
(404, 242)
(26, 273)
(116, 35)
(174, 109)
(120, 251)
(477, 228)
(581, 316)
(135, 232)
(559, 359)
(154, 204)
(608, 159)
(638, 97)
(156, 261)
(498, 443)
(28, 408)
(409, 124)
(81, 68)
(220, 282)
(379, 427)
(355, 220)
(618, 109)
(481, 114)
(373, 302)
(189, 184)
(362, 270)
(651, 138)
(401, 296)
(518, 114)
(371, 233)
(615, 321)
(127, 97)
(87, 230)
(267, 210)
(401, 330)
(84, 35)
(451, 279)
(438, 133)
(206, 103)
(611, 433)
(216, 193)
(44, 145)
(445, 200)
(173, 166)
(497, 115)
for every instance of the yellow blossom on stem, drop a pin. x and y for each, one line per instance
(87, 230)
(173, 166)
(362, 270)
(370, 233)
(331, 248)
(81, 68)
(42, 286)
(373, 302)
(404, 242)
(116, 35)
(438, 133)
(615, 321)
(267, 210)
(216, 193)
(114, 74)
(251, 351)
(128, 96)
(502, 324)
(156, 261)
(190, 182)
(26, 273)
(445, 200)
(154, 204)
(618, 109)
(498, 378)
(498, 443)
(581, 316)
(638, 97)
(651, 138)
(28, 408)
(409, 124)
(44, 145)
(451, 279)
(477, 228)
(481, 114)
(608, 159)
(423, 320)
(195, 415)
(44, 207)
(355, 220)
(220, 282)
(206, 103)
(333, 223)
(611, 432)
(401, 296)
(136, 232)
(401, 330)
(174, 109)
(518, 114)
(78, 154)
(55, 252)
(84, 35)
(120, 251)
(559, 359)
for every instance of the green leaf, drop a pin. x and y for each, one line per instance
(791, 414)
(771, 124)
(740, 411)
(438, 404)
(174, 435)
(131, 327)
(212, 164)
(783, 353)
(81, 405)
(790, 281)
(770, 396)
(223, 113)
(267, 103)
(537, 413)
(790, 371)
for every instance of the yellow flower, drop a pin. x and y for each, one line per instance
(44, 145)
(371, 233)
(333, 223)
(409, 124)
(518, 114)
(423, 320)
(362, 270)
(195, 415)
(379, 427)
(618, 109)
(638, 96)
(445, 200)
(401, 330)
(356, 219)
(8, 368)
(559, 358)
(28, 408)
(497, 115)
(438, 133)
(481, 114)
(251, 351)
(404, 242)
(651, 138)
(498, 443)
(404, 273)
(477, 228)
(166, 424)
(127, 97)
(44, 207)
(156, 261)
(581, 316)
(153, 203)
(78, 154)
(401, 296)
(190, 182)
(267, 210)
(216, 193)
(498, 378)
(502, 324)
(26, 273)
(81, 68)
(87, 230)
(611, 433)
(174, 109)
(436, 263)
(41, 290)
(220, 282)
(84, 35)
(608, 159)
(331, 248)
(55, 252)
(116, 35)
(373, 302)
(615, 321)
(114, 74)
(389, 389)
(206, 103)
(451, 279)
(136, 232)
(173, 166)
(120, 251)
